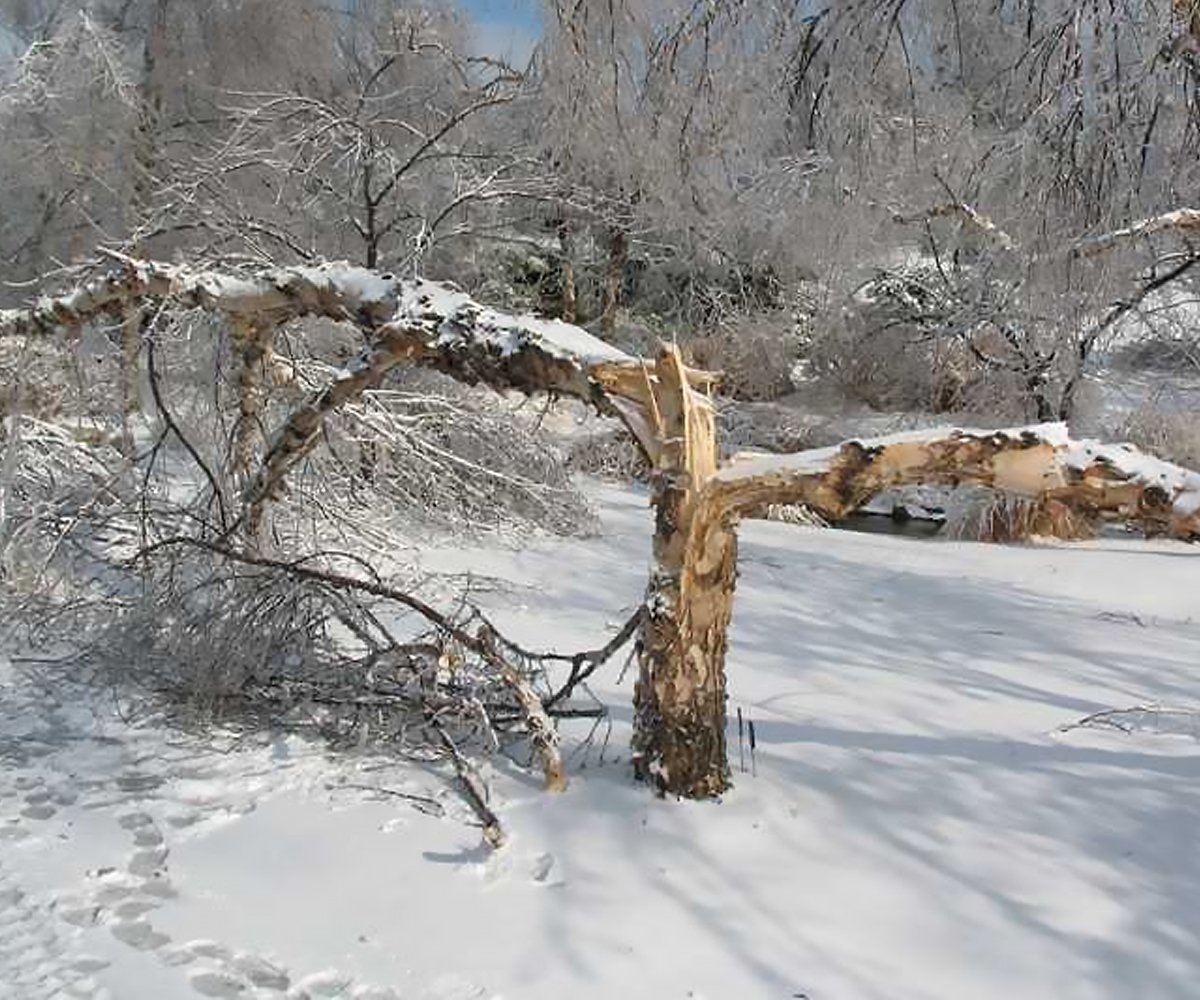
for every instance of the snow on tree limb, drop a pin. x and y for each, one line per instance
(448, 320)
(1178, 219)
(1041, 462)
(405, 320)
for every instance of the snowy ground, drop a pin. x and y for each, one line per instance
(917, 827)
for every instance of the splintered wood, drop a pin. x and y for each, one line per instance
(679, 699)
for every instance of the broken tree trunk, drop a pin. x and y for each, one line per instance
(679, 700)
(679, 719)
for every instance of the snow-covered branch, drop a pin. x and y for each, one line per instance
(403, 320)
(1042, 462)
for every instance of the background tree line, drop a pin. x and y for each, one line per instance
(900, 194)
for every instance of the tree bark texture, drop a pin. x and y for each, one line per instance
(679, 699)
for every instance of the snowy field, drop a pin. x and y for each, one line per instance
(918, 827)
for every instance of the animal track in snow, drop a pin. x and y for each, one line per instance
(69, 780)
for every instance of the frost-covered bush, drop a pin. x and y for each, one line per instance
(57, 493)
(425, 451)
(1169, 434)
(755, 355)
(610, 454)
(35, 377)
(887, 345)
(773, 427)
(915, 338)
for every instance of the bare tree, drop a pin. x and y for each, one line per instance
(381, 160)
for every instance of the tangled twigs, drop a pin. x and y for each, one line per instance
(485, 642)
(583, 665)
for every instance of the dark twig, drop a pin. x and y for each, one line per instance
(169, 420)
(471, 785)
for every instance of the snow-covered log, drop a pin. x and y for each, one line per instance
(1040, 462)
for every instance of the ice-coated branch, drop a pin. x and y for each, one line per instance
(403, 320)
(1041, 462)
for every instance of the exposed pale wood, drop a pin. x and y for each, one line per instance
(679, 699)
(965, 212)
(1017, 462)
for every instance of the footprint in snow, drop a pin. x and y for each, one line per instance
(38, 804)
(138, 782)
(216, 983)
(36, 960)
(139, 934)
(261, 973)
(542, 868)
(135, 821)
(329, 983)
(148, 862)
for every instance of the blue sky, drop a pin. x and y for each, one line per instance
(506, 28)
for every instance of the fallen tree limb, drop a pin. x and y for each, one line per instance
(1115, 482)
(472, 787)
(424, 322)
(963, 211)
(485, 642)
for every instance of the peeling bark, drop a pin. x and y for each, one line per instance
(253, 345)
(679, 699)
(1089, 481)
